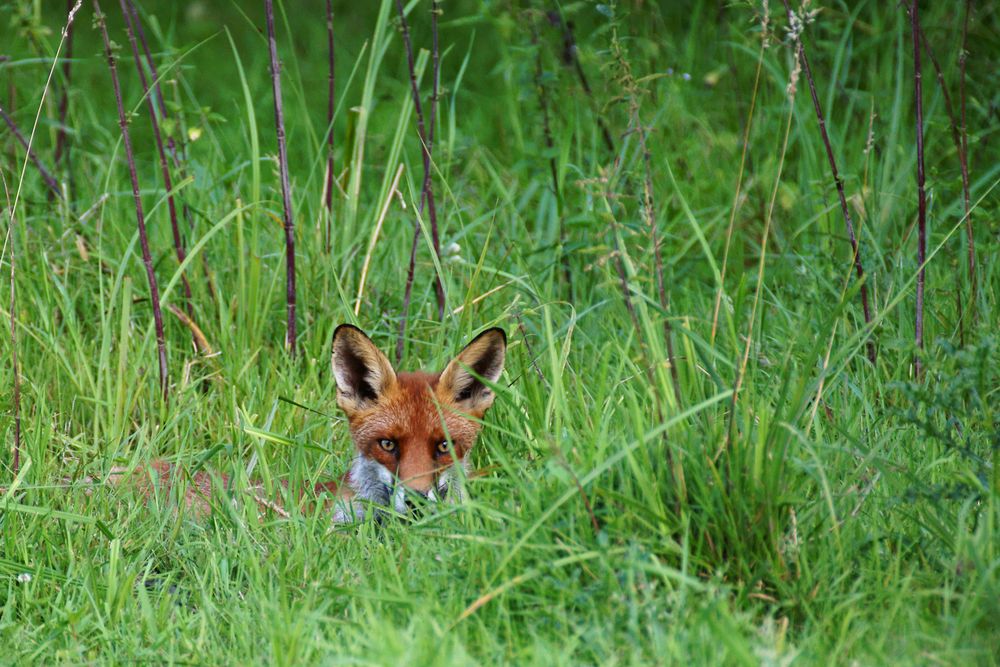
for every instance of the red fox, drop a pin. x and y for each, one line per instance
(410, 430)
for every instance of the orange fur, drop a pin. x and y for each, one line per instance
(431, 419)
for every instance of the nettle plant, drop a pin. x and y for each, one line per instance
(956, 413)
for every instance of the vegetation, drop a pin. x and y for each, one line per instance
(700, 452)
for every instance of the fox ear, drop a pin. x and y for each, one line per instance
(363, 373)
(461, 382)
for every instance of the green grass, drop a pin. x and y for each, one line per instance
(860, 528)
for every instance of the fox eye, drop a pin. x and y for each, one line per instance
(442, 447)
(387, 445)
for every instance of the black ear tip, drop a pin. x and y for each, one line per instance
(492, 332)
(344, 328)
(495, 331)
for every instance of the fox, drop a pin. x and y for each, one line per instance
(412, 433)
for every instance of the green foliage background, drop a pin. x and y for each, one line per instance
(631, 512)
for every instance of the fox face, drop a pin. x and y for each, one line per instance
(410, 430)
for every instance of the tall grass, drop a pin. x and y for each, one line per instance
(761, 494)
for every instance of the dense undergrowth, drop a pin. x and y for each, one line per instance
(755, 491)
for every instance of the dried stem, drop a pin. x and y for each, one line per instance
(175, 150)
(141, 34)
(921, 194)
(626, 293)
(531, 356)
(649, 207)
(164, 167)
(654, 238)
(407, 293)
(431, 205)
(736, 195)
(963, 157)
(959, 140)
(47, 176)
(426, 190)
(331, 100)
(436, 82)
(62, 145)
(855, 249)
(741, 372)
(571, 56)
(279, 122)
(147, 258)
(543, 103)
(393, 192)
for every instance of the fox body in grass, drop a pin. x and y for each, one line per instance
(410, 430)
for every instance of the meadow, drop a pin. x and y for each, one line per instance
(716, 441)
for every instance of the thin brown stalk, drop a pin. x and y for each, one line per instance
(164, 167)
(963, 157)
(426, 190)
(147, 258)
(140, 33)
(200, 340)
(855, 248)
(286, 196)
(436, 68)
(431, 205)
(571, 56)
(921, 194)
(47, 176)
(654, 238)
(531, 356)
(407, 293)
(649, 208)
(618, 252)
(543, 103)
(393, 192)
(172, 149)
(62, 145)
(741, 372)
(958, 139)
(331, 100)
(736, 195)
(175, 149)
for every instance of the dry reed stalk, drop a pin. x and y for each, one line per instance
(46, 175)
(543, 103)
(921, 193)
(330, 107)
(958, 138)
(378, 228)
(286, 196)
(426, 190)
(164, 167)
(147, 258)
(632, 92)
(571, 56)
(739, 188)
(964, 158)
(62, 145)
(797, 27)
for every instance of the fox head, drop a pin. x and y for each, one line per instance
(412, 429)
